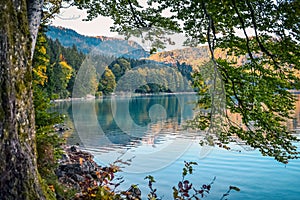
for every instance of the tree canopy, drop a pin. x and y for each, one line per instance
(264, 33)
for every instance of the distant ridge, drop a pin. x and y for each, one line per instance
(193, 56)
(105, 45)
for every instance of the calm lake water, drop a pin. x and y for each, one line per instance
(149, 131)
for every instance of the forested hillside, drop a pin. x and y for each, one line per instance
(104, 65)
(105, 45)
(194, 56)
(103, 74)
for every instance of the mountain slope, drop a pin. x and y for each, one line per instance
(100, 44)
(193, 56)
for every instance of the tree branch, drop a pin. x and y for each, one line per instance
(135, 17)
(262, 47)
(244, 29)
(211, 45)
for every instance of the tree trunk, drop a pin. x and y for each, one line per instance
(18, 168)
(34, 13)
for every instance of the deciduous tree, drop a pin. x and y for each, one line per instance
(19, 21)
(266, 33)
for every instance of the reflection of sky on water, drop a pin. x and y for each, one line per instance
(145, 158)
(147, 128)
(101, 129)
(161, 149)
(139, 117)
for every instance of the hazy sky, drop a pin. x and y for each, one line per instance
(72, 18)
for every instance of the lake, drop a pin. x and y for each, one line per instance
(149, 131)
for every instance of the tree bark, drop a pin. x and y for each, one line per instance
(18, 168)
(34, 13)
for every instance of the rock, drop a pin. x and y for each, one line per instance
(59, 173)
(88, 176)
(134, 193)
(61, 128)
(94, 175)
(78, 170)
(64, 158)
(73, 149)
(71, 169)
(88, 167)
(77, 178)
(69, 182)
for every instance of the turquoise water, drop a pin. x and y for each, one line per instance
(257, 177)
(148, 130)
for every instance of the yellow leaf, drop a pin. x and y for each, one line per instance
(51, 187)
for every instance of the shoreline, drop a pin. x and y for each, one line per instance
(77, 170)
(91, 97)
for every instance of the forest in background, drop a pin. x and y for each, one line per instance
(57, 68)
(115, 66)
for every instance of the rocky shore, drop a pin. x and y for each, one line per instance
(78, 171)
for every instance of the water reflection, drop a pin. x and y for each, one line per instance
(151, 125)
(124, 120)
(132, 127)
(292, 124)
(159, 140)
(127, 120)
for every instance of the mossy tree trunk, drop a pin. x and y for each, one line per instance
(18, 168)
